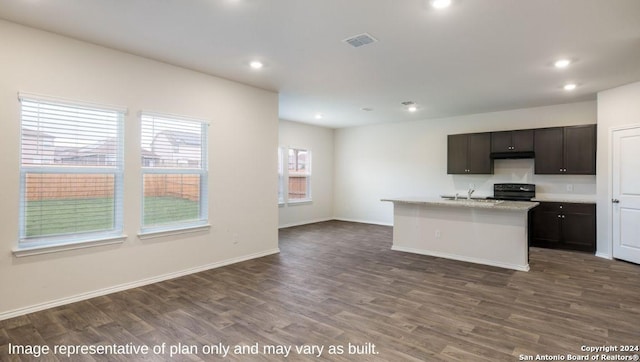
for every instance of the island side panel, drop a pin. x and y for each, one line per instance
(477, 235)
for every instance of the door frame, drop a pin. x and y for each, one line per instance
(612, 130)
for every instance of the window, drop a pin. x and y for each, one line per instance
(71, 168)
(280, 175)
(174, 173)
(297, 174)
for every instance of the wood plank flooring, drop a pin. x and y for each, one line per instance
(336, 283)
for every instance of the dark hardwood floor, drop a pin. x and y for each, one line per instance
(336, 283)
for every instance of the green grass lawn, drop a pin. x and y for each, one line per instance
(54, 217)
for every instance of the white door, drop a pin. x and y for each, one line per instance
(626, 194)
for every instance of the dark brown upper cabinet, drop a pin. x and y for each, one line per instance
(565, 150)
(469, 154)
(512, 141)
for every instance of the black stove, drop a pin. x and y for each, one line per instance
(513, 192)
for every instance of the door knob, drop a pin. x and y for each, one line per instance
(615, 201)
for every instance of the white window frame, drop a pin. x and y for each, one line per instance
(73, 240)
(283, 169)
(281, 184)
(203, 171)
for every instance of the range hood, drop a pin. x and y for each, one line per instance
(506, 155)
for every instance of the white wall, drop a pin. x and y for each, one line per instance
(320, 141)
(616, 107)
(410, 159)
(242, 141)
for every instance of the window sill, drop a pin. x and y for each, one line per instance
(143, 235)
(20, 252)
(300, 202)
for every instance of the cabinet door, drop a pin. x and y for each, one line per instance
(580, 150)
(545, 226)
(501, 141)
(549, 149)
(579, 227)
(479, 154)
(457, 154)
(522, 141)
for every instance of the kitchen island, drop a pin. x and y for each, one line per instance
(481, 231)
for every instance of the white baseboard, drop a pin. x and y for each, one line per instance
(363, 221)
(330, 219)
(307, 222)
(604, 256)
(460, 258)
(135, 284)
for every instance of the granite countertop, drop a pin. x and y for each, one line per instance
(479, 203)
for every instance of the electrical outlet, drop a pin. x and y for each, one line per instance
(569, 187)
(438, 234)
(235, 238)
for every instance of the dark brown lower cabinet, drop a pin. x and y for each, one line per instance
(560, 225)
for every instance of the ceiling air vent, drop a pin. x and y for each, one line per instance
(359, 40)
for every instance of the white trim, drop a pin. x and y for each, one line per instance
(609, 253)
(72, 102)
(20, 252)
(299, 202)
(604, 255)
(624, 127)
(307, 222)
(143, 235)
(135, 284)
(438, 254)
(363, 221)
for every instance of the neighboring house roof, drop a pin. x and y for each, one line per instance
(148, 154)
(179, 138)
(35, 134)
(104, 147)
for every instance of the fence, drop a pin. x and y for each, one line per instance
(68, 186)
(298, 187)
(181, 186)
(84, 186)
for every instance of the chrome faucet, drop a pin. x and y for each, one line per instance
(469, 193)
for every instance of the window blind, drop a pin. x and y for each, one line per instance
(71, 166)
(174, 172)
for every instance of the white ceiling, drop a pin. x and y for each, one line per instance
(476, 56)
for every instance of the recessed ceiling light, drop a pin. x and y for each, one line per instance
(569, 86)
(411, 106)
(318, 115)
(562, 63)
(256, 64)
(440, 4)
